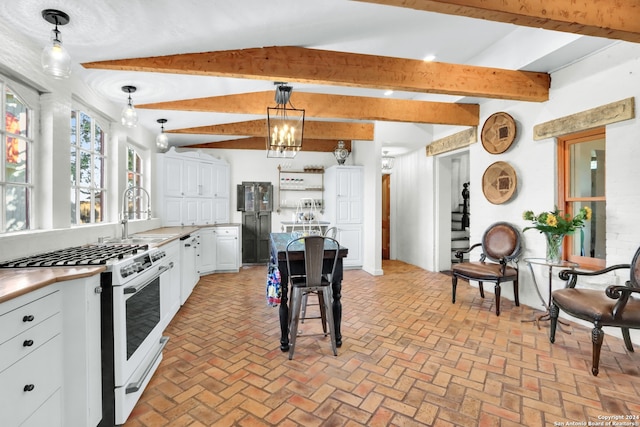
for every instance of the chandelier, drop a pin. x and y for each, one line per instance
(387, 162)
(284, 125)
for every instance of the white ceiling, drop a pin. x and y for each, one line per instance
(115, 29)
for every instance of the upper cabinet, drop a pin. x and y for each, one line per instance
(194, 189)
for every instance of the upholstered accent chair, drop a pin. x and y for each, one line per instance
(613, 305)
(501, 246)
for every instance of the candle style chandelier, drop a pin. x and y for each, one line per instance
(285, 125)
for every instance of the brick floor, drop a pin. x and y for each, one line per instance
(409, 358)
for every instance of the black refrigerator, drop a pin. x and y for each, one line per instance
(255, 201)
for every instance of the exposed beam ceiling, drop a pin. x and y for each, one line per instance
(334, 107)
(302, 65)
(312, 130)
(259, 143)
(612, 19)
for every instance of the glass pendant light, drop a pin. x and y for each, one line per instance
(55, 58)
(129, 117)
(162, 140)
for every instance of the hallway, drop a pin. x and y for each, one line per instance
(409, 358)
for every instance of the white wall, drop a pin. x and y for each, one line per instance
(611, 75)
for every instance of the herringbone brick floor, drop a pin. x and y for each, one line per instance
(409, 358)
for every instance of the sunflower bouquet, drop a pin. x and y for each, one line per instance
(555, 222)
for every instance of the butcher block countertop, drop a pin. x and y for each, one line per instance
(15, 282)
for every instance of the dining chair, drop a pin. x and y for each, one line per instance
(614, 306)
(501, 245)
(312, 282)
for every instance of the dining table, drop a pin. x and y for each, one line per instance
(278, 249)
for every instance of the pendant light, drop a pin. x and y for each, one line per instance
(284, 125)
(55, 58)
(162, 140)
(129, 117)
(387, 162)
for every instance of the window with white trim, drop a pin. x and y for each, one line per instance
(88, 193)
(16, 180)
(137, 203)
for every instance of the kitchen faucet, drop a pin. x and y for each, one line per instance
(124, 216)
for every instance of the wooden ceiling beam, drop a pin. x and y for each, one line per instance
(613, 19)
(312, 129)
(334, 107)
(303, 65)
(259, 143)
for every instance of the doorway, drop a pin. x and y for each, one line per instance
(386, 214)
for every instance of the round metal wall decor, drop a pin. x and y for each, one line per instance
(499, 182)
(498, 133)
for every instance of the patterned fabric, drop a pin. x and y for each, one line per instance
(274, 292)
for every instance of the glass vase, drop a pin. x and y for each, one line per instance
(554, 247)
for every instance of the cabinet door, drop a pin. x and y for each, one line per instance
(206, 251)
(206, 180)
(351, 238)
(190, 210)
(221, 179)
(172, 211)
(220, 211)
(190, 178)
(227, 249)
(172, 177)
(205, 212)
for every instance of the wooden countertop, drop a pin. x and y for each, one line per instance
(15, 282)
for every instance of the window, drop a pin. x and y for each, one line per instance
(137, 203)
(15, 165)
(581, 160)
(87, 169)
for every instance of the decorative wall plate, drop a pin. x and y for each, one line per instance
(499, 182)
(498, 133)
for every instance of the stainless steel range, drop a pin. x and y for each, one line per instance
(131, 335)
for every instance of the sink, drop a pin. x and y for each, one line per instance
(136, 240)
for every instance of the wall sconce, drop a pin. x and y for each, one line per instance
(387, 162)
(284, 125)
(341, 153)
(55, 59)
(129, 116)
(162, 140)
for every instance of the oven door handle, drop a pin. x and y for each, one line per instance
(133, 387)
(134, 289)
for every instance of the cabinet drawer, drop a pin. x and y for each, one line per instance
(28, 315)
(41, 372)
(227, 231)
(29, 341)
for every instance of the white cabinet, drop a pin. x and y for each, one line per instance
(170, 283)
(344, 209)
(188, 265)
(227, 241)
(194, 189)
(219, 249)
(206, 251)
(31, 357)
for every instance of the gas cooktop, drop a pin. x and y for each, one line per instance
(77, 256)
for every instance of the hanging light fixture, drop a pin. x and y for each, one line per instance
(55, 58)
(387, 161)
(129, 117)
(284, 125)
(341, 153)
(162, 140)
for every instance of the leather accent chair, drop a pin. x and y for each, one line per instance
(615, 306)
(501, 244)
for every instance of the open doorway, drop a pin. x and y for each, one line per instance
(386, 214)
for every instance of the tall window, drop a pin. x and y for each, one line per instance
(137, 202)
(15, 165)
(581, 160)
(87, 169)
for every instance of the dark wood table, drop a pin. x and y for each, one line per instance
(278, 243)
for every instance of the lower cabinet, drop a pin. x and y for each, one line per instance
(188, 265)
(170, 283)
(50, 356)
(219, 249)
